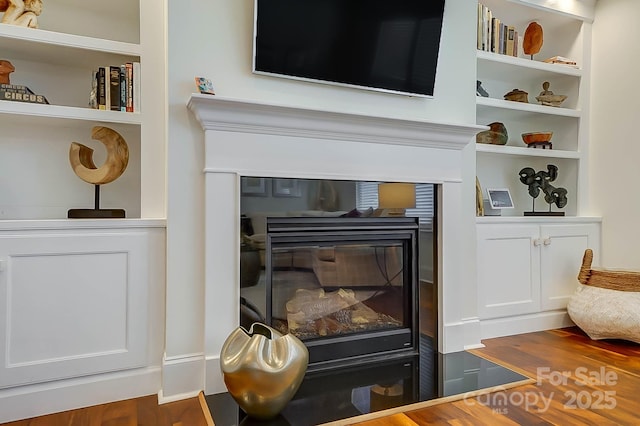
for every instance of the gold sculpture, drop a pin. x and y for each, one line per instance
(263, 369)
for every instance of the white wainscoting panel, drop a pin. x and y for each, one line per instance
(72, 305)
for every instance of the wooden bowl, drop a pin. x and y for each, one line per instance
(534, 137)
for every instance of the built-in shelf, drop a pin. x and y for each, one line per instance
(526, 152)
(482, 102)
(59, 48)
(495, 64)
(30, 111)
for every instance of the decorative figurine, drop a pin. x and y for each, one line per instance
(496, 135)
(517, 95)
(480, 90)
(539, 181)
(6, 68)
(532, 42)
(21, 12)
(546, 97)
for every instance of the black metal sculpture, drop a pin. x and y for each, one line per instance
(540, 181)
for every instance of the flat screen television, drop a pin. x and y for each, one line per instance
(385, 45)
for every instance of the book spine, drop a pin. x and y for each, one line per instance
(114, 88)
(123, 88)
(102, 88)
(136, 87)
(511, 31)
(129, 68)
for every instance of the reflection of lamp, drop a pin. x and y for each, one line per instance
(394, 198)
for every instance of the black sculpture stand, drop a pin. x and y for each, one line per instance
(96, 212)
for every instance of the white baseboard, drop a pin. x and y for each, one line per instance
(214, 381)
(508, 326)
(460, 336)
(182, 377)
(22, 402)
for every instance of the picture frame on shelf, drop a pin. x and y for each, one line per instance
(500, 198)
(253, 186)
(286, 188)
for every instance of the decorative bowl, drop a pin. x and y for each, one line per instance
(536, 137)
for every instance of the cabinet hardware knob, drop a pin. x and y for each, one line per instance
(547, 241)
(536, 242)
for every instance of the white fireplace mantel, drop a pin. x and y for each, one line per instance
(246, 138)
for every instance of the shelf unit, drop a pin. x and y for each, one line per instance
(57, 60)
(48, 263)
(567, 32)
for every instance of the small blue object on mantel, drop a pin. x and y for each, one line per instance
(205, 86)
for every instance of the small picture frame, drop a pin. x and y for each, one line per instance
(253, 186)
(204, 86)
(286, 188)
(500, 198)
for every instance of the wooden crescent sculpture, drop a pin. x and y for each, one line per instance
(81, 157)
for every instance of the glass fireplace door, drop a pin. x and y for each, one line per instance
(345, 287)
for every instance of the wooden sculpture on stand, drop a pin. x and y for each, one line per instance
(21, 12)
(81, 159)
(6, 68)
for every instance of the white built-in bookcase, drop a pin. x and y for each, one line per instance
(566, 32)
(57, 61)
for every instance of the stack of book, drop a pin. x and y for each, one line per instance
(494, 35)
(15, 92)
(562, 61)
(118, 87)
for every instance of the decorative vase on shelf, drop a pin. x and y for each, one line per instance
(263, 369)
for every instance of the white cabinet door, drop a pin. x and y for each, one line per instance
(72, 304)
(561, 256)
(508, 270)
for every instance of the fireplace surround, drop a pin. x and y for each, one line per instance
(246, 138)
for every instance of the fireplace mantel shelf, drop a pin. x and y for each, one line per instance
(235, 115)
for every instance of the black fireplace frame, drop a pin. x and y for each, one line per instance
(329, 352)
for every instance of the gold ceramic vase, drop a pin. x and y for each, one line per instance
(263, 369)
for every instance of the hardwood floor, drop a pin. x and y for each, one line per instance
(578, 382)
(143, 411)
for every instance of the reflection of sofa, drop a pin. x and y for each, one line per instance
(299, 259)
(340, 265)
(357, 265)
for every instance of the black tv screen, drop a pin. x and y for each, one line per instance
(387, 45)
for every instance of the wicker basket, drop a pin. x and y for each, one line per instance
(606, 305)
(605, 278)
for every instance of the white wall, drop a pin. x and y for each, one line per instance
(615, 151)
(214, 39)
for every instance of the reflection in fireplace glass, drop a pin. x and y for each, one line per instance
(338, 289)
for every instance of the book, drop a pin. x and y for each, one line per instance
(22, 95)
(114, 88)
(511, 32)
(102, 88)
(136, 87)
(123, 88)
(129, 79)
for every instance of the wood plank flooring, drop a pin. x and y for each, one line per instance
(143, 411)
(578, 381)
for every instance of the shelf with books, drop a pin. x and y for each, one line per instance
(62, 115)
